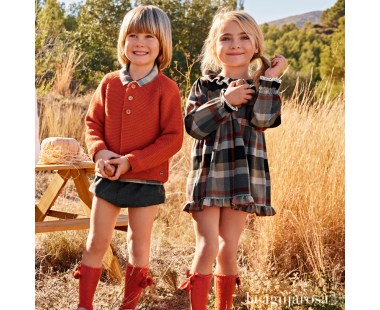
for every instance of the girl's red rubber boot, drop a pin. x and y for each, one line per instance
(198, 285)
(88, 281)
(136, 279)
(224, 288)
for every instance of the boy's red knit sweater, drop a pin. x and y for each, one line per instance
(143, 123)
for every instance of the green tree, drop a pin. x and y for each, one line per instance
(48, 44)
(190, 22)
(97, 26)
(313, 48)
(70, 19)
(50, 18)
(97, 34)
(330, 17)
(333, 57)
(301, 47)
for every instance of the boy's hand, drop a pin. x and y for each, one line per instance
(123, 166)
(100, 158)
(237, 96)
(278, 65)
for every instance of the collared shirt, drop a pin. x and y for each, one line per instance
(126, 79)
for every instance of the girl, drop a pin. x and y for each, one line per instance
(229, 175)
(135, 117)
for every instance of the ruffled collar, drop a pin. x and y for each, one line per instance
(212, 76)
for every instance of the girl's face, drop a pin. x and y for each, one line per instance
(233, 47)
(141, 49)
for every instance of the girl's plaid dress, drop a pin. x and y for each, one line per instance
(229, 165)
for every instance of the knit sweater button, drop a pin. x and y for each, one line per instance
(130, 98)
(128, 111)
(133, 86)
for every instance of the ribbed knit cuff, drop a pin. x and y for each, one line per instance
(133, 162)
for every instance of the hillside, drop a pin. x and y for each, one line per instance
(298, 20)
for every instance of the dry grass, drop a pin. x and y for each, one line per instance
(64, 72)
(64, 117)
(307, 162)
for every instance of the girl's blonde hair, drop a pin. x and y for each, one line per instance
(147, 19)
(249, 26)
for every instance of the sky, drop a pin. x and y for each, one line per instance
(274, 9)
(277, 9)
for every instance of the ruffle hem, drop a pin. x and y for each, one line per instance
(244, 203)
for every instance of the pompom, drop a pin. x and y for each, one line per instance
(144, 283)
(76, 274)
(149, 281)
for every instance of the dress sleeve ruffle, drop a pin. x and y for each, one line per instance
(266, 112)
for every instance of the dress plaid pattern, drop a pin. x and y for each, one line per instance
(229, 165)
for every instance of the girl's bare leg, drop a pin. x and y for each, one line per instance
(102, 223)
(139, 234)
(206, 227)
(230, 228)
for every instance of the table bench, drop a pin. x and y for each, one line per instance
(73, 221)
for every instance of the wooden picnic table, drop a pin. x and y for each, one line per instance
(73, 221)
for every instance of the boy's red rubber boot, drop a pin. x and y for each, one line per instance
(136, 279)
(224, 288)
(198, 285)
(88, 281)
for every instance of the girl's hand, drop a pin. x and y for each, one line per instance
(123, 166)
(278, 65)
(237, 96)
(100, 158)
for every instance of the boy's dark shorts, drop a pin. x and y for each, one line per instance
(128, 194)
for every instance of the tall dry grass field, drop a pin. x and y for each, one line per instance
(63, 117)
(307, 162)
(65, 71)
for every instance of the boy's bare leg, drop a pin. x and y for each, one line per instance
(139, 234)
(103, 219)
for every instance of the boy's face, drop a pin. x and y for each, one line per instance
(234, 47)
(141, 49)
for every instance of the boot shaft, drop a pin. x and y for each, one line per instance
(224, 289)
(198, 286)
(136, 279)
(88, 281)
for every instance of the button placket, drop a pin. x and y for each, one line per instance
(130, 98)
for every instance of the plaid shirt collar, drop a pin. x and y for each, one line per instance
(126, 78)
